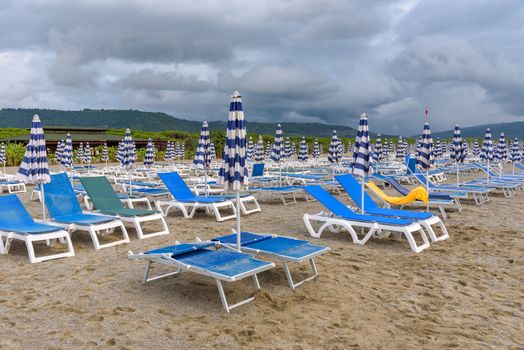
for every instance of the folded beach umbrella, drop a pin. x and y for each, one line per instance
(34, 168)
(287, 149)
(80, 153)
(149, 157)
(400, 147)
(167, 152)
(334, 150)
(515, 154)
(361, 153)
(475, 149)
(182, 150)
(391, 147)
(178, 152)
(377, 151)
(202, 159)
(293, 150)
(465, 150)
(269, 148)
(3, 158)
(66, 159)
(437, 150)
(501, 152)
(105, 154)
(303, 150)
(259, 151)
(127, 149)
(457, 153)
(487, 147)
(212, 150)
(87, 154)
(316, 149)
(58, 152)
(276, 152)
(385, 149)
(250, 149)
(233, 172)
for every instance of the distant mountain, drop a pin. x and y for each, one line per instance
(511, 130)
(152, 121)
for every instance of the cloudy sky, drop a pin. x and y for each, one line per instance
(292, 60)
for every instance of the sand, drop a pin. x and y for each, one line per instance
(465, 292)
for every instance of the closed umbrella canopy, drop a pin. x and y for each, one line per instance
(233, 172)
(105, 153)
(128, 154)
(303, 150)
(276, 152)
(334, 150)
(259, 152)
(87, 154)
(149, 157)
(35, 168)
(361, 153)
(66, 160)
(202, 158)
(316, 149)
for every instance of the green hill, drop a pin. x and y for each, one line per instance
(152, 121)
(511, 130)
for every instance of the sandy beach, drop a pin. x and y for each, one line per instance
(465, 292)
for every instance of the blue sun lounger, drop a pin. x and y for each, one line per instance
(479, 193)
(338, 216)
(204, 259)
(16, 223)
(427, 220)
(285, 249)
(184, 199)
(63, 207)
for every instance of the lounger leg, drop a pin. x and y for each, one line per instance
(413, 244)
(226, 306)
(293, 285)
(255, 279)
(443, 212)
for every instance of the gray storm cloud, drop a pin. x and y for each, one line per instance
(322, 61)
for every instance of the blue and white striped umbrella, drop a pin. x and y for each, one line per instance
(293, 150)
(457, 152)
(425, 156)
(34, 168)
(360, 165)
(334, 150)
(66, 160)
(276, 152)
(233, 173)
(475, 149)
(120, 153)
(149, 157)
(405, 145)
(437, 150)
(58, 152)
(316, 149)
(250, 149)
(178, 150)
(170, 150)
(400, 147)
(269, 149)
(385, 149)
(340, 148)
(80, 153)
(182, 150)
(362, 158)
(465, 150)
(487, 147)
(391, 147)
(105, 153)
(377, 151)
(87, 154)
(287, 149)
(259, 152)
(303, 150)
(202, 159)
(127, 156)
(212, 150)
(3, 159)
(516, 152)
(501, 153)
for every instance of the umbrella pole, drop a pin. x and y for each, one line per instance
(458, 180)
(427, 187)
(238, 221)
(362, 194)
(487, 173)
(43, 201)
(205, 179)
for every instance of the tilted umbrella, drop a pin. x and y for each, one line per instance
(233, 173)
(35, 168)
(361, 154)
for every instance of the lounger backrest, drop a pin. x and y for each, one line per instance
(258, 170)
(60, 197)
(12, 212)
(396, 185)
(330, 202)
(412, 166)
(176, 185)
(354, 189)
(101, 193)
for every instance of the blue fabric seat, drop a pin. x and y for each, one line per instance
(15, 218)
(181, 192)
